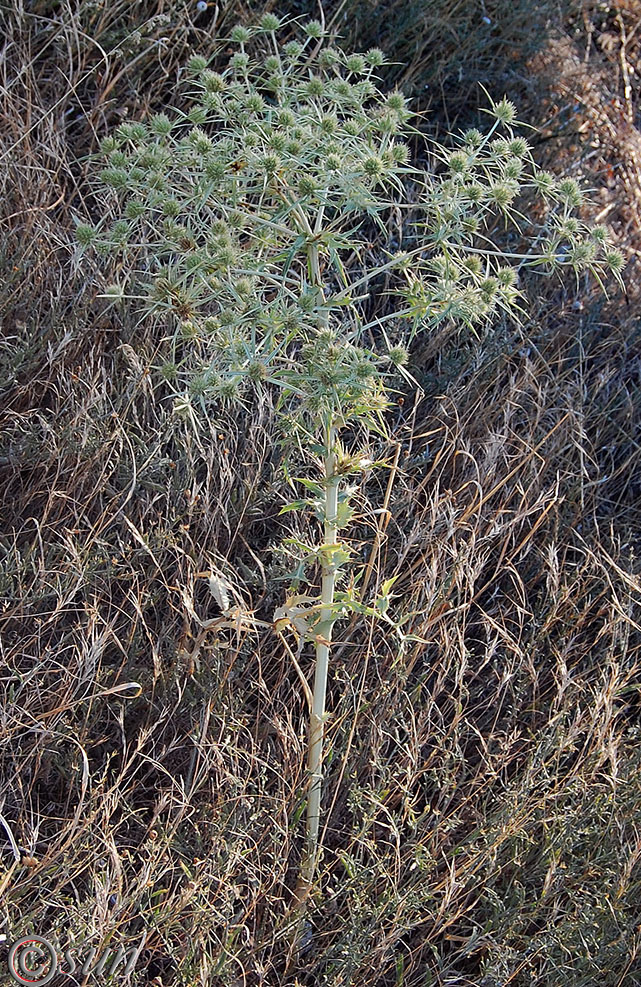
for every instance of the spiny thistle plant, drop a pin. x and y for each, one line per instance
(240, 219)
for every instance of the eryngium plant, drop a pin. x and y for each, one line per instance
(245, 219)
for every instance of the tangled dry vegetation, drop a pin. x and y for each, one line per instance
(483, 790)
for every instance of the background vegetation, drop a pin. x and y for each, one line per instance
(484, 791)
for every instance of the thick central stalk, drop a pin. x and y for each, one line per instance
(331, 481)
(323, 644)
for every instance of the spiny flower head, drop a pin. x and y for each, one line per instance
(313, 29)
(375, 57)
(569, 192)
(505, 111)
(240, 34)
(269, 22)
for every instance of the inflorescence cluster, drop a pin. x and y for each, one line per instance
(243, 218)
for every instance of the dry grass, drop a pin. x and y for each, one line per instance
(484, 786)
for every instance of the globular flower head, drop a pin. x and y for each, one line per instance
(458, 162)
(240, 34)
(473, 137)
(544, 182)
(473, 265)
(239, 61)
(200, 141)
(400, 153)
(395, 102)
(117, 178)
(512, 168)
(569, 192)
(352, 127)
(328, 123)
(329, 57)
(215, 169)
(315, 87)
(255, 103)
(269, 22)
(582, 254)
(85, 234)
(108, 144)
(293, 50)
(333, 162)
(375, 57)
(118, 159)
(502, 194)
(398, 355)
(135, 209)
(160, 124)
(506, 277)
(615, 261)
(518, 147)
(306, 186)
(272, 64)
(313, 29)
(504, 111)
(213, 82)
(196, 64)
(257, 371)
(356, 64)
(270, 163)
(569, 226)
(198, 114)
(230, 390)
(286, 118)
(374, 167)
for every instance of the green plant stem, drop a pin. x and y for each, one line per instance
(323, 645)
(331, 482)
